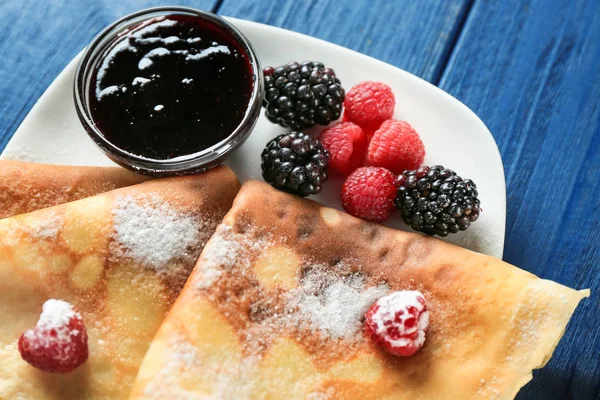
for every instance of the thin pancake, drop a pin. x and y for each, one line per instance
(121, 259)
(274, 309)
(26, 187)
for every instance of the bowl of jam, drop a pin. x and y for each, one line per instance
(169, 90)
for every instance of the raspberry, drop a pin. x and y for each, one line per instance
(58, 343)
(396, 146)
(398, 322)
(369, 193)
(368, 104)
(347, 144)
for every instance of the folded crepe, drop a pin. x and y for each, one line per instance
(26, 187)
(274, 309)
(121, 259)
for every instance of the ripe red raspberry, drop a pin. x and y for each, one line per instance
(347, 144)
(396, 146)
(369, 193)
(398, 322)
(368, 104)
(58, 343)
(369, 132)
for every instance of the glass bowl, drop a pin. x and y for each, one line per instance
(186, 164)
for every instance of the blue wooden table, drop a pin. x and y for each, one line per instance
(529, 68)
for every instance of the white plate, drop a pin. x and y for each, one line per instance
(453, 135)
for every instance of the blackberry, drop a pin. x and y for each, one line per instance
(295, 163)
(300, 96)
(434, 200)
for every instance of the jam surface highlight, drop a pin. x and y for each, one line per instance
(170, 87)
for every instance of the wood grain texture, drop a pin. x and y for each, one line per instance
(39, 38)
(530, 70)
(413, 35)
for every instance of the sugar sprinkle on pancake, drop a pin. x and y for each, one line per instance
(122, 295)
(234, 331)
(152, 232)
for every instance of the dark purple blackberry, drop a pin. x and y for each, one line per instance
(435, 200)
(295, 163)
(301, 96)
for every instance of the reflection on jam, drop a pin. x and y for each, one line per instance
(170, 87)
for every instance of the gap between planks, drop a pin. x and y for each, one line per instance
(216, 7)
(452, 44)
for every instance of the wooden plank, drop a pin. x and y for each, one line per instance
(529, 69)
(413, 35)
(38, 39)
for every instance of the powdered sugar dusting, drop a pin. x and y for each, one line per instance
(526, 319)
(209, 277)
(229, 380)
(225, 251)
(47, 227)
(489, 388)
(153, 232)
(394, 308)
(529, 319)
(322, 395)
(329, 300)
(56, 316)
(334, 305)
(181, 356)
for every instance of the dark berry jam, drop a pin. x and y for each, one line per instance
(170, 87)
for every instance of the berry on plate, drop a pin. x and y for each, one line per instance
(395, 146)
(398, 322)
(368, 104)
(434, 200)
(295, 163)
(369, 193)
(303, 95)
(347, 144)
(58, 343)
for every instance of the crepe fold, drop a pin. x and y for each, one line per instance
(274, 309)
(26, 187)
(121, 259)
